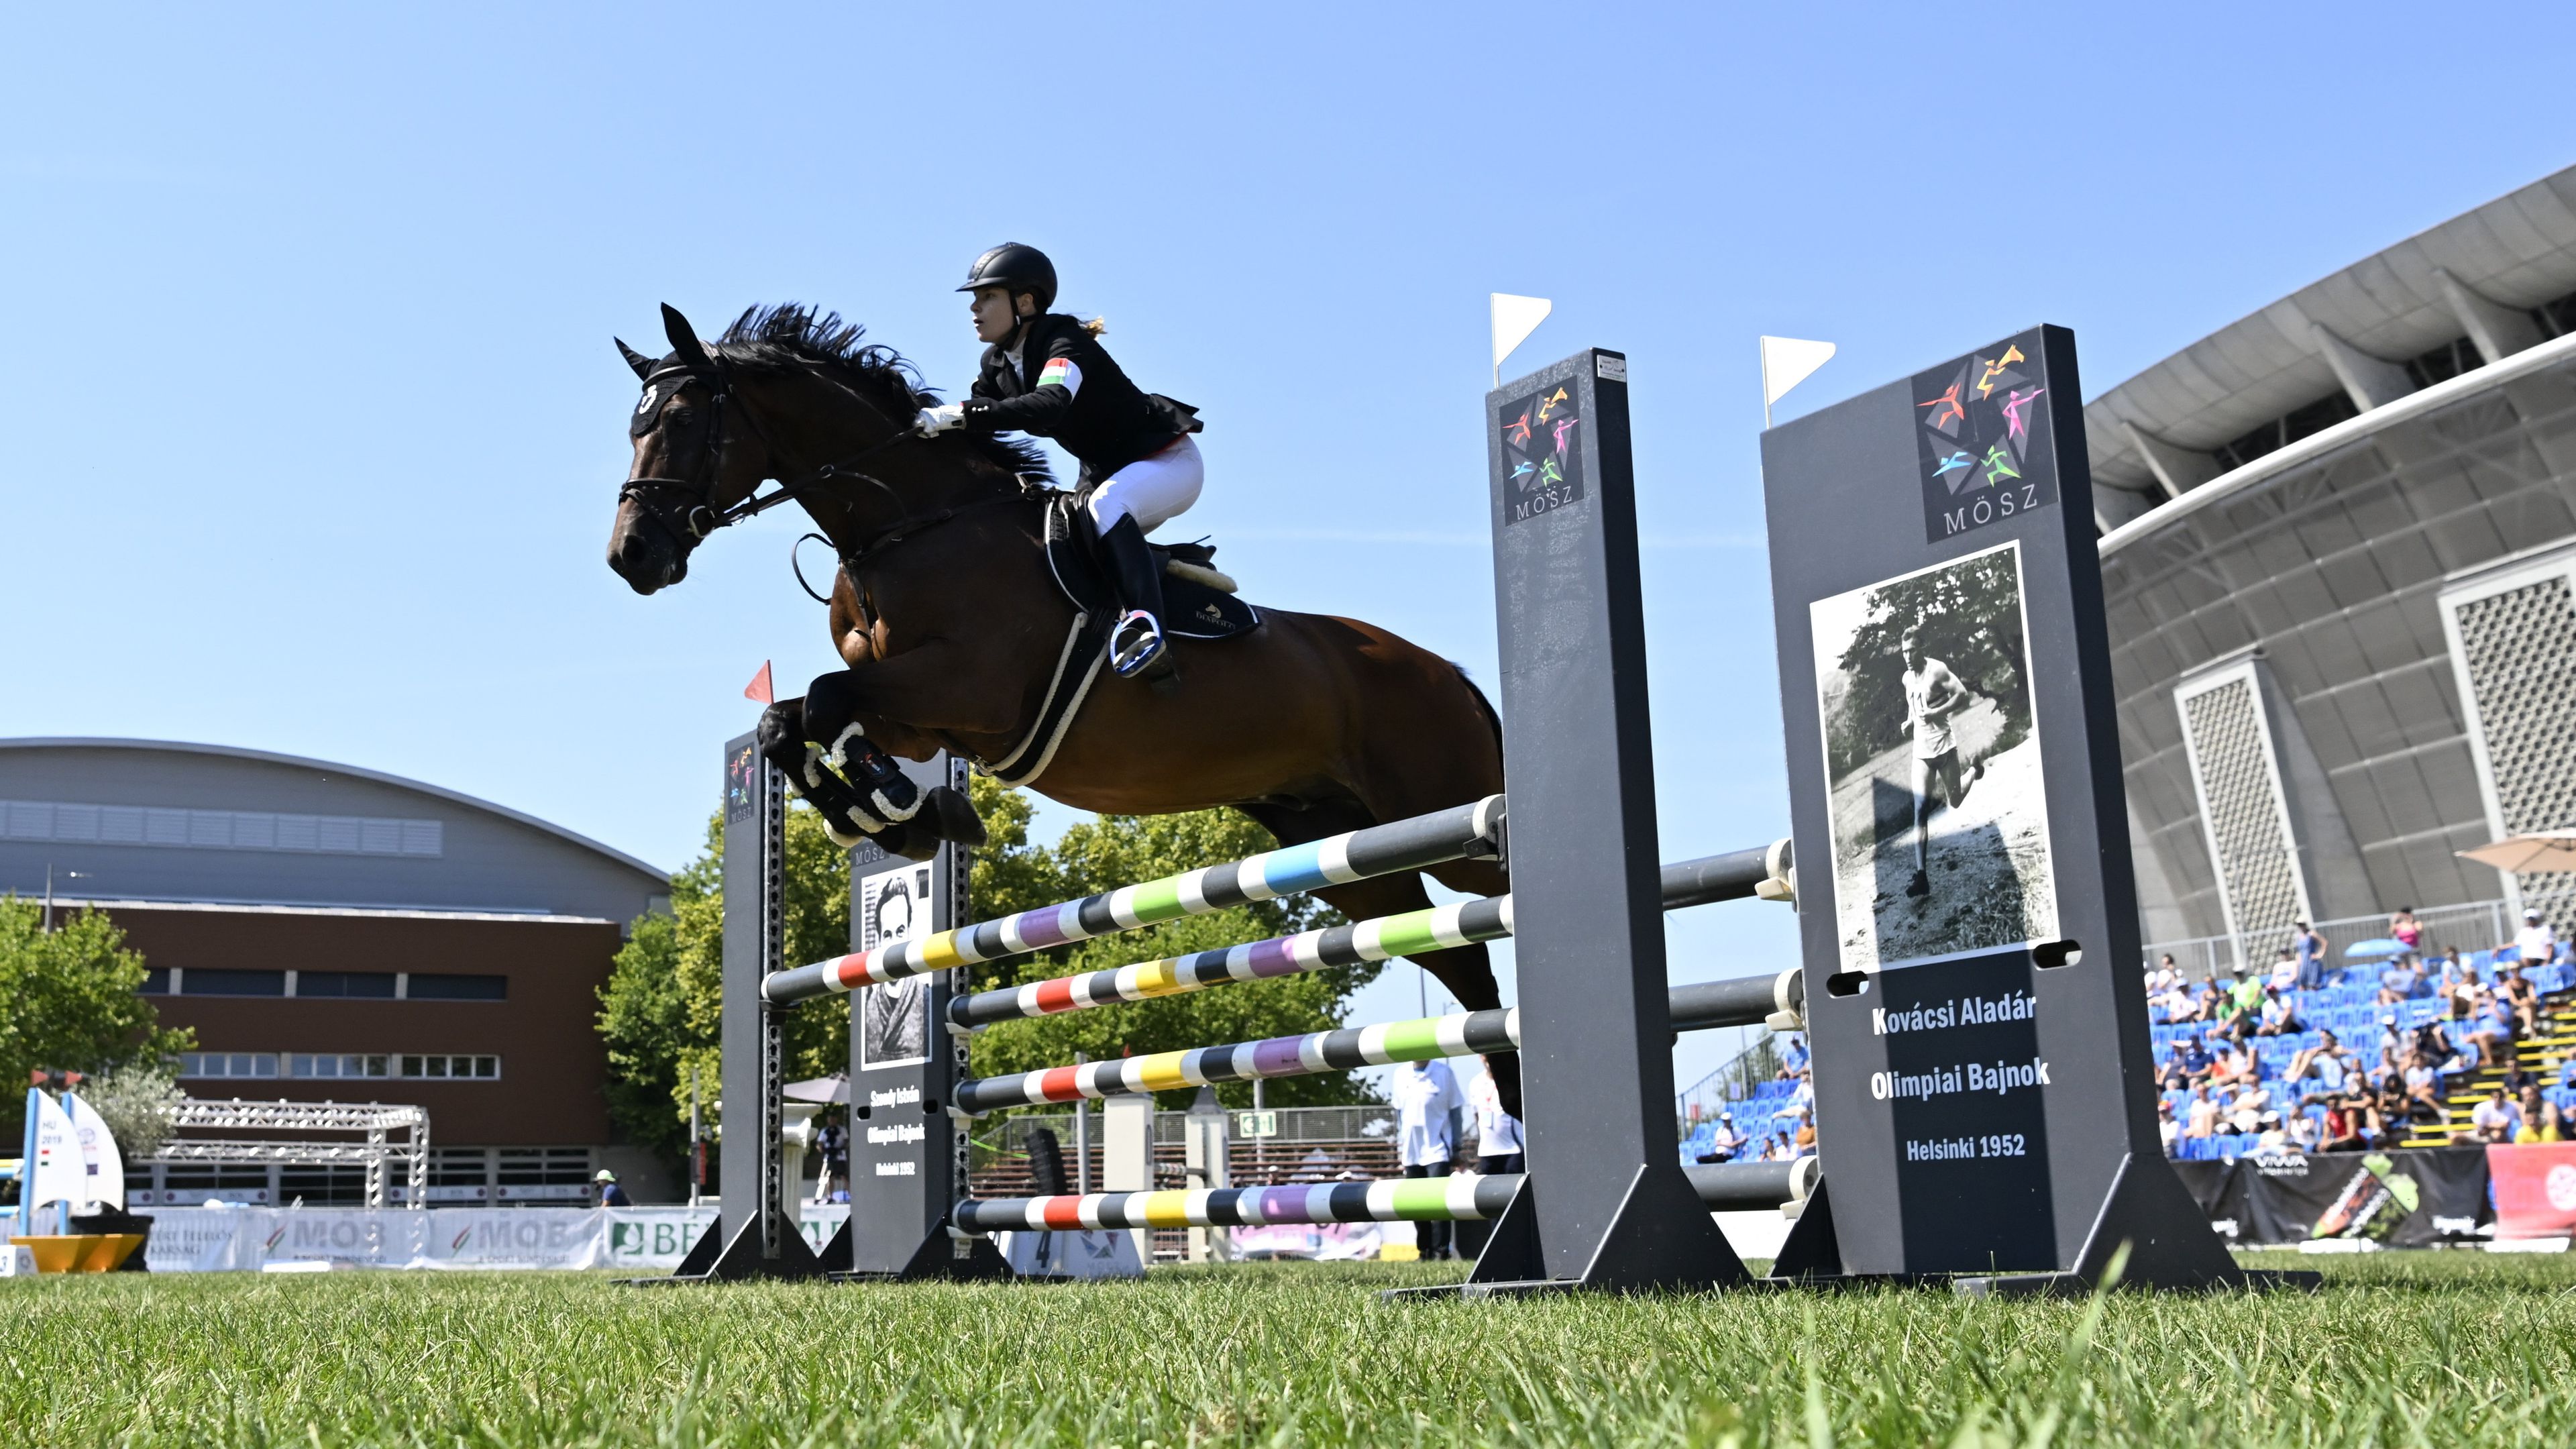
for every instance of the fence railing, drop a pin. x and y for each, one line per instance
(1731, 1082)
(2470, 925)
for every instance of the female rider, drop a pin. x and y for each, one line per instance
(1047, 374)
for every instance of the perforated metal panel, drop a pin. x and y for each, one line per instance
(2515, 648)
(2235, 770)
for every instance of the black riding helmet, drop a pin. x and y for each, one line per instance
(1015, 265)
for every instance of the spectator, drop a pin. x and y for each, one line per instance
(2535, 943)
(2404, 929)
(2252, 1104)
(1498, 1133)
(2285, 971)
(2343, 1130)
(2494, 1120)
(1805, 1141)
(2312, 956)
(2237, 1066)
(2492, 1029)
(2196, 1063)
(2424, 1091)
(2324, 1060)
(2170, 1129)
(2304, 1132)
(1427, 1108)
(2520, 999)
(2541, 1119)
(2236, 1011)
(2173, 1005)
(2402, 981)
(2453, 969)
(1793, 1055)
(2567, 1073)
(2201, 1113)
(2174, 1075)
(832, 1146)
(2165, 977)
(604, 1182)
(2275, 1139)
(2279, 1017)
(2203, 1005)
(1724, 1144)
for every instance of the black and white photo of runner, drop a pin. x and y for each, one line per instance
(1939, 811)
(894, 1019)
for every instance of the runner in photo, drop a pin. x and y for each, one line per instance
(1939, 812)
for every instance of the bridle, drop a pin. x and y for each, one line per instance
(692, 516)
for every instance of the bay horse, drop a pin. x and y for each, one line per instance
(951, 622)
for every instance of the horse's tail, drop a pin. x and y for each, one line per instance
(1484, 706)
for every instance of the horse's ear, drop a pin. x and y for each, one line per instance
(684, 341)
(643, 365)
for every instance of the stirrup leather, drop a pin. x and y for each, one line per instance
(1136, 643)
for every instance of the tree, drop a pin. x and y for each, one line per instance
(74, 1002)
(661, 1011)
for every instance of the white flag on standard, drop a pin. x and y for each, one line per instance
(1515, 318)
(1787, 362)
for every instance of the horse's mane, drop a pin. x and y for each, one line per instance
(793, 337)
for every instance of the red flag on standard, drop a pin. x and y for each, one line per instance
(760, 688)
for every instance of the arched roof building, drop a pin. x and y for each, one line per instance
(2339, 559)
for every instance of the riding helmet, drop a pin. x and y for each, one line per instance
(1015, 265)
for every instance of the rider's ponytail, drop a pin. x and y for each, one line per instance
(1096, 326)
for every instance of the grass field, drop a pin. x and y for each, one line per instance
(2441, 1350)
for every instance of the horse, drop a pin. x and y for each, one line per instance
(952, 624)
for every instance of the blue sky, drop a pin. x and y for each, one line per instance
(317, 424)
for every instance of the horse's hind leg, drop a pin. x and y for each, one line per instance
(1467, 972)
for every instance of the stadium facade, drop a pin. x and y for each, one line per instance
(332, 933)
(2339, 558)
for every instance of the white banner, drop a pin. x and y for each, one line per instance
(636, 1240)
(102, 1166)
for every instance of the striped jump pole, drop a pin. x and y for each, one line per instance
(1456, 1035)
(1460, 833)
(1686, 883)
(1464, 1197)
(1749, 1001)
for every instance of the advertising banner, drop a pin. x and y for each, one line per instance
(247, 1240)
(2535, 1189)
(2407, 1199)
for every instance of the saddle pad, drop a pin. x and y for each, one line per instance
(1191, 610)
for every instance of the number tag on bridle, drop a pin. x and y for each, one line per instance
(656, 394)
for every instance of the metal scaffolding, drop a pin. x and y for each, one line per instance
(395, 1134)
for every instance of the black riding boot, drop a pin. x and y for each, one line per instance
(1136, 645)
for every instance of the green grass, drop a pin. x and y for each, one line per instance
(2400, 1349)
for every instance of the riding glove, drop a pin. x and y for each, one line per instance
(940, 419)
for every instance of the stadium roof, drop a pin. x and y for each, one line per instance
(2477, 276)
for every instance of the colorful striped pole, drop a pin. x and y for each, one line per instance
(1460, 833)
(1726, 1186)
(1686, 883)
(1461, 1034)
(1465, 1197)
(1407, 934)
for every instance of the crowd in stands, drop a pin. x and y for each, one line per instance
(2314, 1057)
(1775, 1122)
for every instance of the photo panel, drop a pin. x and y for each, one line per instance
(894, 1018)
(1938, 807)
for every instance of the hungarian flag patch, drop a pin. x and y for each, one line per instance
(1060, 372)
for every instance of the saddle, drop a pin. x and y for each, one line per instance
(1198, 603)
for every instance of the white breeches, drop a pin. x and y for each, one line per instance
(1154, 490)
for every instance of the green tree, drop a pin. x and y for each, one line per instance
(661, 1011)
(74, 1002)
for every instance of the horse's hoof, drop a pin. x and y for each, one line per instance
(907, 842)
(952, 815)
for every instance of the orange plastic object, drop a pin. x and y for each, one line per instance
(80, 1252)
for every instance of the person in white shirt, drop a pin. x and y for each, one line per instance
(1728, 1144)
(1427, 1108)
(2535, 943)
(1498, 1133)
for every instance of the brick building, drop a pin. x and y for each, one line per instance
(333, 933)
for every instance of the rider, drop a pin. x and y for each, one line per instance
(1047, 374)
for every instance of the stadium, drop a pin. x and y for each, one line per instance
(2338, 545)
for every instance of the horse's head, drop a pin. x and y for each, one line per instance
(693, 460)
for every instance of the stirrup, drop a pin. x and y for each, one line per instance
(1135, 644)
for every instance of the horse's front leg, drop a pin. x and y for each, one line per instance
(856, 783)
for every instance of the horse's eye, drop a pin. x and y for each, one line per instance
(684, 416)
